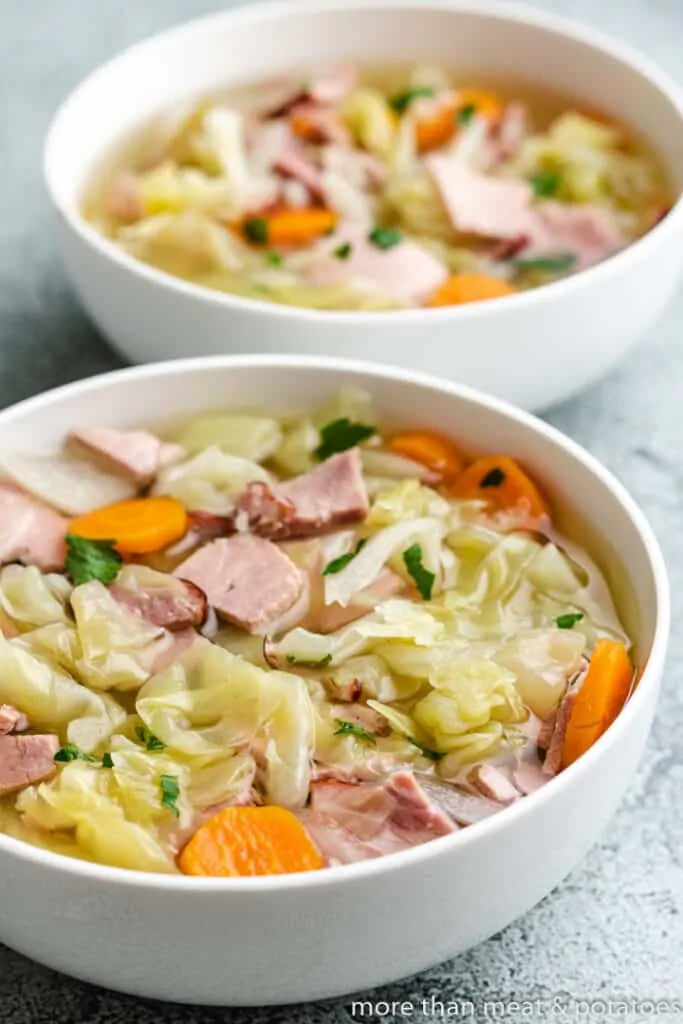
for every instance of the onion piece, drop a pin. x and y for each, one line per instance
(378, 462)
(67, 482)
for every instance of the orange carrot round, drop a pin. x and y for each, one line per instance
(486, 104)
(241, 841)
(463, 288)
(437, 128)
(138, 527)
(290, 226)
(430, 449)
(302, 125)
(600, 699)
(502, 483)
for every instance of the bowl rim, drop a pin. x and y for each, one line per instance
(348, 873)
(601, 43)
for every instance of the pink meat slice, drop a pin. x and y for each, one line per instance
(553, 757)
(30, 532)
(293, 163)
(462, 806)
(512, 130)
(326, 124)
(406, 272)
(333, 85)
(492, 783)
(123, 200)
(248, 580)
(133, 454)
(12, 720)
(529, 777)
(329, 618)
(179, 606)
(588, 232)
(25, 760)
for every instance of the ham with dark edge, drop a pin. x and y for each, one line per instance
(30, 532)
(247, 579)
(133, 454)
(25, 760)
(180, 605)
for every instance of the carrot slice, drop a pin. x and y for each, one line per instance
(241, 841)
(438, 128)
(292, 226)
(486, 104)
(139, 526)
(462, 288)
(430, 449)
(306, 129)
(600, 699)
(500, 481)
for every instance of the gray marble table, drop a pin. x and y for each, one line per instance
(614, 929)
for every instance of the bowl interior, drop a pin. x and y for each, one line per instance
(257, 42)
(592, 509)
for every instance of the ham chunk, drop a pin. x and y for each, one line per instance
(177, 606)
(553, 757)
(12, 720)
(478, 203)
(323, 124)
(589, 233)
(356, 822)
(249, 581)
(405, 273)
(331, 617)
(133, 454)
(293, 163)
(462, 806)
(491, 782)
(30, 532)
(25, 760)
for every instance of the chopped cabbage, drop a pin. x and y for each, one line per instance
(249, 437)
(32, 599)
(210, 481)
(72, 484)
(370, 120)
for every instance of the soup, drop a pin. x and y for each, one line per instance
(352, 189)
(249, 644)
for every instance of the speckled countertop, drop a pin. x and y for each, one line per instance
(614, 929)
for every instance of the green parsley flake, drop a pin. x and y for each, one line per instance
(91, 560)
(402, 100)
(494, 478)
(351, 729)
(150, 741)
(274, 259)
(564, 261)
(256, 230)
(340, 435)
(107, 761)
(546, 183)
(303, 663)
(342, 252)
(337, 564)
(385, 238)
(170, 791)
(465, 114)
(424, 579)
(70, 752)
(569, 620)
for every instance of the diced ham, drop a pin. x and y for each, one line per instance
(133, 454)
(492, 783)
(529, 777)
(324, 125)
(587, 232)
(478, 203)
(331, 617)
(512, 130)
(462, 806)
(123, 200)
(348, 691)
(12, 720)
(268, 515)
(416, 817)
(180, 605)
(25, 760)
(30, 532)
(334, 85)
(247, 579)
(405, 273)
(175, 645)
(553, 757)
(363, 716)
(294, 163)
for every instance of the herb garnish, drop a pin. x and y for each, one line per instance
(70, 752)
(351, 729)
(337, 564)
(256, 230)
(564, 261)
(342, 252)
(341, 434)
(385, 238)
(151, 741)
(465, 114)
(402, 100)
(91, 560)
(107, 761)
(303, 663)
(424, 579)
(274, 259)
(569, 620)
(546, 183)
(494, 478)
(170, 791)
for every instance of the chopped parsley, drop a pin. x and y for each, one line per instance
(274, 259)
(342, 252)
(465, 114)
(71, 753)
(433, 755)
(494, 478)
(256, 230)
(303, 663)
(91, 560)
(385, 238)
(107, 761)
(546, 183)
(564, 261)
(424, 579)
(400, 101)
(151, 741)
(341, 434)
(170, 791)
(351, 729)
(569, 620)
(337, 564)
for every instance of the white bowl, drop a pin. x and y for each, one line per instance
(533, 349)
(287, 939)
